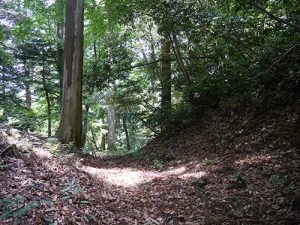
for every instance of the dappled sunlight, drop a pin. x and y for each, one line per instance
(193, 175)
(42, 153)
(253, 159)
(175, 171)
(121, 177)
(28, 142)
(130, 178)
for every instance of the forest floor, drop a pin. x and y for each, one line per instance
(234, 168)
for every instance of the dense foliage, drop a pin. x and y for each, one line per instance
(221, 54)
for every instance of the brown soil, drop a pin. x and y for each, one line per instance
(233, 168)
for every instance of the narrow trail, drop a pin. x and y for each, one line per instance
(168, 183)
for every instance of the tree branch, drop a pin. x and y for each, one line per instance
(16, 51)
(157, 61)
(278, 19)
(279, 59)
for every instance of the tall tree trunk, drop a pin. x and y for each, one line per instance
(166, 81)
(70, 128)
(94, 139)
(175, 46)
(103, 142)
(111, 111)
(177, 52)
(3, 88)
(60, 5)
(59, 61)
(28, 99)
(152, 68)
(87, 104)
(85, 123)
(47, 95)
(111, 136)
(124, 121)
(28, 95)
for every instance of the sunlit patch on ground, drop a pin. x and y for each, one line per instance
(130, 178)
(253, 159)
(193, 175)
(23, 142)
(121, 177)
(42, 153)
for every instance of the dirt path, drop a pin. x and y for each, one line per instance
(39, 186)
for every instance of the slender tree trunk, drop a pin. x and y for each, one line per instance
(49, 114)
(103, 142)
(184, 69)
(47, 95)
(85, 123)
(59, 62)
(70, 128)
(179, 59)
(60, 4)
(166, 81)
(111, 136)
(151, 67)
(111, 111)
(3, 88)
(28, 95)
(150, 70)
(28, 99)
(124, 121)
(94, 139)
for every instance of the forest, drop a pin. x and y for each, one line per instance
(150, 112)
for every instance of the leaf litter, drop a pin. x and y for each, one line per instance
(239, 169)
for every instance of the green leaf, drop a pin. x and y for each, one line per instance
(67, 196)
(84, 202)
(20, 211)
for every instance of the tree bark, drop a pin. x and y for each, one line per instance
(70, 128)
(85, 123)
(179, 58)
(59, 61)
(47, 95)
(28, 99)
(176, 50)
(149, 70)
(94, 139)
(166, 74)
(60, 4)
(28, 95)
(111, 111)
(3, 88)
(103, 142)
(124, 121)
(153, 67)
(111, 136)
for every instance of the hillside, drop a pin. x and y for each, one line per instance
(169, 112)
(232, 167)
